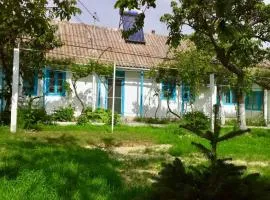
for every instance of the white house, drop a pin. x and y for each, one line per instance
(135, 93)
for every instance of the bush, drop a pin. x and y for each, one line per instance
(64, 114)
(222, 181)
(31, 118)
(253, 121)
(150, 120)
(100, 115)
(256, 121)
(197, 120)
(83, 120)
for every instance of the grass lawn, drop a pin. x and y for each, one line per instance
(63, 163)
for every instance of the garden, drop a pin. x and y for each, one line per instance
(89, 162)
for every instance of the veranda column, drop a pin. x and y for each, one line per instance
(141, 93)
(94, 92)
(213, 99)
(113, 97)
(265, 106)
(15, 91)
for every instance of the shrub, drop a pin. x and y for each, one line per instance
(197, 120)
(256, 121)
(83, 120)
(222, 181)
(150, 120)
(100, 115)
(252, 121)
(64, 114)
(31, 118)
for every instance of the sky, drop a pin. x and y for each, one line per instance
(109, 17)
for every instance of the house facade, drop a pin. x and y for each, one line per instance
(135, 94)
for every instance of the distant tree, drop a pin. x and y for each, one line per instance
(235, 30)
(29, 24)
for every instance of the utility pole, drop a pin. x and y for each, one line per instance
(15, 91)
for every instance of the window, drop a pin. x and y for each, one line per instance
(168, 91)
(30, 88)
(229, 97)
(186, 94)
(55, 82)
(254, 100)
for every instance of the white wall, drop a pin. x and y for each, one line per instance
(203, 101)
(132, 98)
(84, 90)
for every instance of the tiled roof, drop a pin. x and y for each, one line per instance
(83, 42)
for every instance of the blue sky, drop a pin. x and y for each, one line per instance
(109, 17)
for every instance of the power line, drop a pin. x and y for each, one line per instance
(89, 12)
(118, 52)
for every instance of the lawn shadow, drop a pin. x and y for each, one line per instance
(69, 171)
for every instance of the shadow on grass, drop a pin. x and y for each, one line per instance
(59, 169)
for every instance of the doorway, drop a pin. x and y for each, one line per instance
(119, 92)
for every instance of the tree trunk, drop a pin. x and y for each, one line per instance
(241, 110)
(170, 110)
(157, 106)
(77, 95)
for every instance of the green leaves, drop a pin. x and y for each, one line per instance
(190, 67)
(30, 23)
(235, 31)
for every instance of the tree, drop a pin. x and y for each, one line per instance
(235, 30)
(190, 68)
(29, 24)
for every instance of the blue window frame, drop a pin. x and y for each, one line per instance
(254, 100)
(229, 97)
(168, 91)
(55, 82)
(31, 88)
(186, 94)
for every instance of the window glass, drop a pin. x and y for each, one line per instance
(254, 100)
(55, 81)
(51, 82)
(229, 97)
(60, 82)
(186, 93)
(30, 86)
(168, 90)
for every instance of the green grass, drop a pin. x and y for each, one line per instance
(32, 166)
(54, 163)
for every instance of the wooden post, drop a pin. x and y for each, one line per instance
(15, 91)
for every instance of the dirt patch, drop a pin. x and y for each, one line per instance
(141, 149)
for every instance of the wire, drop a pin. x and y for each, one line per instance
(89, 12)
(118, 52)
